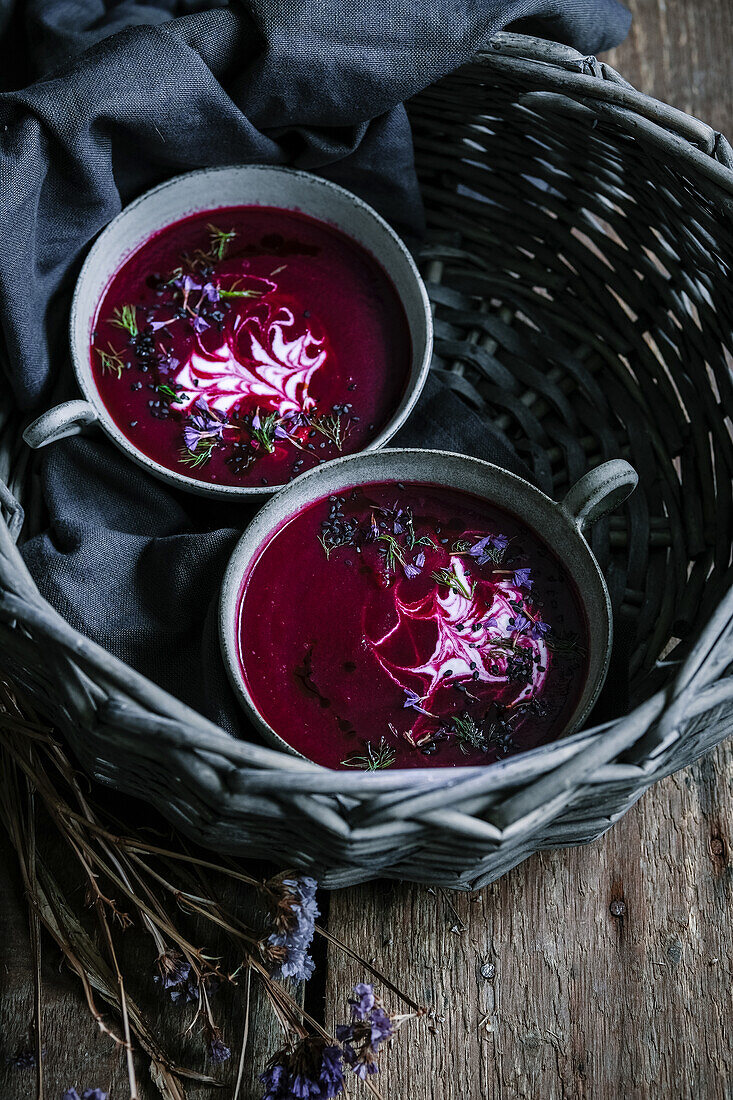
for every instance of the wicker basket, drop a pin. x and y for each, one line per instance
(578, 257)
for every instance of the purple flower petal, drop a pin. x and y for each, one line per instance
(365, 992)
(411, 571)
(199, 324)
(523, 578)
(211, 292)
(297, 940)
(256, 422)
(519, 623)
(381, 1026)
(191, 437)
(420, 559)
(412, 699)
(479, 548)
(499, 542)
(218, 1051)
(539, 629)
(481, 551)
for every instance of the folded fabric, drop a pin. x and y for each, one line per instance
(103, 100)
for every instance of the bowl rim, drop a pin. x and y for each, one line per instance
(421, 320)
(243, 558)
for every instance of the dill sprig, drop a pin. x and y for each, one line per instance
(168, 391)
(125, 317)
(392, 550)
(565, 644)
(263, 429)
(333, 428)
(409, 523)
(220, 240)
(469, 733)
(327, 548)
(373, 759)
(451, 580)
(235, 292)
(200, 456)
(111, 361)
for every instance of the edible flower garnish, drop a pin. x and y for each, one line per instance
(412, 699)
(490, 548)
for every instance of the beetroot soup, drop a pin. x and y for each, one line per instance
(244, 345)
(399, 625)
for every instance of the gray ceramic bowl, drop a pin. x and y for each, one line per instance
(208, 190)
(561, 525)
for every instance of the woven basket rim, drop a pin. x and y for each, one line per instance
(565, 82)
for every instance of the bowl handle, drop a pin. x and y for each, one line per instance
(598, 492)
(68, 419)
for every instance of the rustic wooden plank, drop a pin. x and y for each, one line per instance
(611, 963)
(680, 53)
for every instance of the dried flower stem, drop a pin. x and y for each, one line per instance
(35, 773)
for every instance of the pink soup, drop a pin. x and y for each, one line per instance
(405, 625)
(242, 346)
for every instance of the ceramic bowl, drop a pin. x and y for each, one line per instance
(561, 525)
(208, 190)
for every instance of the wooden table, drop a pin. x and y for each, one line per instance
(598, 972)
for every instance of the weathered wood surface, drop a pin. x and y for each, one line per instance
(583, 1001)
(610, 965)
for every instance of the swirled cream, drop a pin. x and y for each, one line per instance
(264, 362)
(244, 345)
(405, 625)
(473, 634)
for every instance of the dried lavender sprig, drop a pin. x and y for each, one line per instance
(295, 913)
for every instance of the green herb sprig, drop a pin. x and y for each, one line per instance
(451, 580)
(111, 361)
(220, 240)
(195, 459)
(375, 758)
(333, 428)
(125, 317)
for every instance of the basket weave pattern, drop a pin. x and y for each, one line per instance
(578, 260)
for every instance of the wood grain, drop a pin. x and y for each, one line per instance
(584, 1000)
(680, 53)
(611, 963)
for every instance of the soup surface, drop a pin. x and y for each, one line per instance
(400, 625)
(244, 345)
